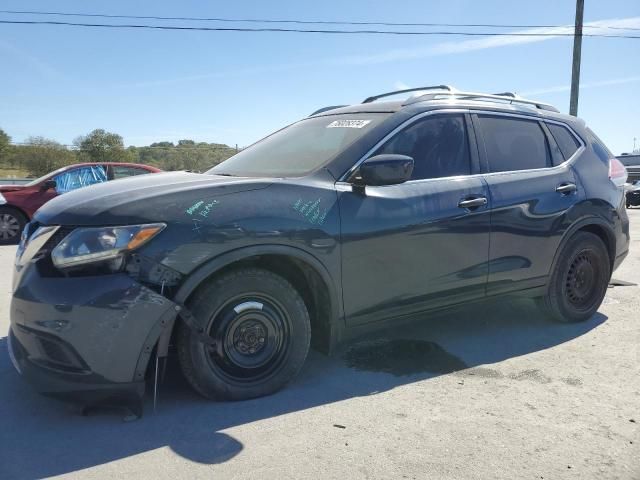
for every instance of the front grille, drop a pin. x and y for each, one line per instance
(44, 264)
(31, 227)
(55, 239)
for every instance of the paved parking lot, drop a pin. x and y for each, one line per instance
(491, 391)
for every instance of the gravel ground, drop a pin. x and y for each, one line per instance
(489, 391)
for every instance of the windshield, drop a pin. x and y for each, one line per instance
(300, 148)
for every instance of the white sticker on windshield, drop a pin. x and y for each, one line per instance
(348, 123)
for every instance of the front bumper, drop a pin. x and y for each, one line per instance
(87, 389)
(85, 338)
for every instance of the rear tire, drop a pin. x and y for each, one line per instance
(262, 329)
(12, 223)
(579, 280)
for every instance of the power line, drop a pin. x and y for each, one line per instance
(319, 31)
(299, 22)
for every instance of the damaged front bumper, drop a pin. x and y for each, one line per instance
(87, 339)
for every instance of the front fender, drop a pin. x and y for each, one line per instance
(218, 263)
(161, 335)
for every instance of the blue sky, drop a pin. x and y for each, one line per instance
(61, 82)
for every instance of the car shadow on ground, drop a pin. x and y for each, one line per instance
(42, 437)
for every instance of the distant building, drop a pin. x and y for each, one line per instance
(632, 162)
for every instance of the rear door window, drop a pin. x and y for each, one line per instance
(123, 172)
(566, 141)
(438, 145)
(514, 143)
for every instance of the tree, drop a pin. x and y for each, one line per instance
(102, 146)
(5, 140)
(40, 155)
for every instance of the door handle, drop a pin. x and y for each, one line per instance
(566, 188)
(473, 202)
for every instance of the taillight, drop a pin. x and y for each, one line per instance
(617, 172)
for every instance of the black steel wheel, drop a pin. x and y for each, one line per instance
(582, 280)
(261, 329)
(251, 333)
(579, 279)
(12, 222)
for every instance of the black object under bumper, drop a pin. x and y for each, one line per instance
(633, 198)
(87, 339)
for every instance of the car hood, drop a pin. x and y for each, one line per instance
(140, 199)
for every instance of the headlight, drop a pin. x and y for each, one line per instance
(90, 245)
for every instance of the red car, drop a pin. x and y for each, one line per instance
(18, 203)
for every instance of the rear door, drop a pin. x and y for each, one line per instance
(532, 188)
(417, 245)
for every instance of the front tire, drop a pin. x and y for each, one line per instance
(262, 331)
(579, 280)
(12, 223)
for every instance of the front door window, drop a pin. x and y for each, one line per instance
(80, 177)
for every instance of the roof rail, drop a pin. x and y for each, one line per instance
(406, 90)
(505, 97)
(326, 109)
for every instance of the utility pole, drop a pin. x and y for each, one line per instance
(577, 52)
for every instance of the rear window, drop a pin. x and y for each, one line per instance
(300, 148)
(514, 143)
(566, 141)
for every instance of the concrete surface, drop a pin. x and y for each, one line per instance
(489, 391)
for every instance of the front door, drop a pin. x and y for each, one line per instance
(424, 243)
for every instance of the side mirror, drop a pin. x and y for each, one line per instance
(48, 185)
(386, 169)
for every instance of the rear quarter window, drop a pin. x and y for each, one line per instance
(566, 141)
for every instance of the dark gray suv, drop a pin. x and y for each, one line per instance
(351, 219)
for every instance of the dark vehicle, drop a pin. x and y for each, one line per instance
(345, 221)
(632, 164)
(632, 194)
(18, 203)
